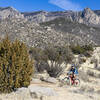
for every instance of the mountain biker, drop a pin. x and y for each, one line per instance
(73, 72)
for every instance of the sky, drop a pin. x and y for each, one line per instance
(51, 5)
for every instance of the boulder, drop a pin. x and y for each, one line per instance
(49, 80)
(23, 94)
(39, 91)
(34, 80)
(20, 94)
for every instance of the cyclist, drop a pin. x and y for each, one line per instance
(73, 72)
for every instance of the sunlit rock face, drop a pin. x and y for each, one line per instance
(87, 16)
(10, 12)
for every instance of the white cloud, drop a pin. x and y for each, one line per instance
(66, 4)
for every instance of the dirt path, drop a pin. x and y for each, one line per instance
(65, 93)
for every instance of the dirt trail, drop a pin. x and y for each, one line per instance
(66, 92)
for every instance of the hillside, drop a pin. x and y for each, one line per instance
(35, 35)
(9, 12)
(65, 26)
(32, 34)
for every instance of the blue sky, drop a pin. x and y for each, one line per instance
(50, 5)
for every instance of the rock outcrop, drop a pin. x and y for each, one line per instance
(87, 16)
(9, 12)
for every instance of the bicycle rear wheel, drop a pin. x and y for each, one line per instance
(77, 82)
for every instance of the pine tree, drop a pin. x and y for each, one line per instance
(16, 67)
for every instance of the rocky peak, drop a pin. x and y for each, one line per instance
(7, 8)
(9, 12)
(89, 17)
(87, 12)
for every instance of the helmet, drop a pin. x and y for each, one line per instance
(73, 66)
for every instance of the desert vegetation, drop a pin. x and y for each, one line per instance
(86, 50)
(52, 58)
(16, 67)
(55, 58)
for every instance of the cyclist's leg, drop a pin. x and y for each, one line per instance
(73, 79)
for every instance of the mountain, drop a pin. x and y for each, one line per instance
(87, 33)
(43, 16)
(9, 12)
(35, 35)
(87, 16)
(57, 28)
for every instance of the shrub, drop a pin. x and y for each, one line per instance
(83, 60)
(15, 66)
(57, 55)
(88, 47)
(93, 60)
(40, 58)
(88, 53)
(85, 50)
(77, 50)
(51, 59)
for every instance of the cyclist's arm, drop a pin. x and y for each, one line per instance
(69, 72)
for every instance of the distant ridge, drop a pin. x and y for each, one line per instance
(57, 28)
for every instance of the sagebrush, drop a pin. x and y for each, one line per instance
(52, 58)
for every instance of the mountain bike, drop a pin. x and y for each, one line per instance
(68, 80)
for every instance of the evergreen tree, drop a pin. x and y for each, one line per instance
(16, 67)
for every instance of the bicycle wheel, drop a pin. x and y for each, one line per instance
(77, 82)
(67, 80)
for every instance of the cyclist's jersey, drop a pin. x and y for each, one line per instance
(75, 71)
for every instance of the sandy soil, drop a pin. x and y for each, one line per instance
(68, 92)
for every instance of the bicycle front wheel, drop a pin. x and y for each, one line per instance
(67, 80)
